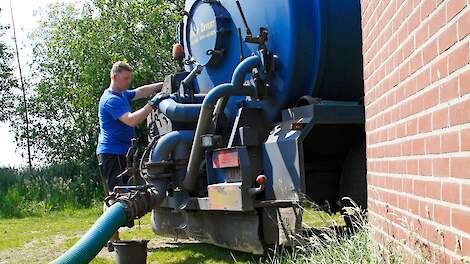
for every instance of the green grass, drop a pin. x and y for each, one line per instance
(41, 239)
(18, 231)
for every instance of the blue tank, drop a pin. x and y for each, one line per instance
(317, 43)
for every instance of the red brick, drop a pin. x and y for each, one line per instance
(425, 167)
(401, 130)
(442, 214)
(416, 62)
(421, 35)
(413, 22)
(466, 194)
(460, 113)
(458, 57)
(465, 139)
(460, 219)
(412, 127)
(453, 7)
(408, 49)
(424, 79)
(451, 192)
(426, 210)
(427, 7)
(450, 142)
(440, 167)
(412, 167)
(437, 21)
(438, 2)
(463, 25)
(419, 188)
(431, 98)
(439, 69)
(449, 240)
(433, 190)
(404, 72)
(424, 123)
(449, 90)
(418, 146)
(430, 51)
(440, 118)
(448, 38)
(433, 55)
(460, 167)
(408, 185)
(413, 204)
(465, 242)
(433, 144)
(464, 80)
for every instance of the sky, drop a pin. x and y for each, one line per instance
(26, 17)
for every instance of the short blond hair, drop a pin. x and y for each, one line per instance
(120, 66)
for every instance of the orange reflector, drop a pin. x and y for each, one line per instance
(225, 159)
(177, 51)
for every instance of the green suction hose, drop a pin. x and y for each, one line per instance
(94, 240)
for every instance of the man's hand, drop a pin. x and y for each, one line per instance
(157, 99)
(147, 90)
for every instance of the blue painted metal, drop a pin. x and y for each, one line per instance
(318, 43)
(206, 28)
(167, 143)
(235, 87)
(179, 112)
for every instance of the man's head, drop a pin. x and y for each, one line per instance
(121, 75)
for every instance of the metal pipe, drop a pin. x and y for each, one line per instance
(164, 147)
(222, 103)
(198, 98)
(236, 87)
(195, 72)
(219, 109)
(168, 142)
(179, 112)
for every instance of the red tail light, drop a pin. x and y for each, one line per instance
(225, 159)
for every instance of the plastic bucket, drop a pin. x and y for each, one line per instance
(131, 251)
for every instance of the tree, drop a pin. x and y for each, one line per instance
(73, 53)
(7, 80)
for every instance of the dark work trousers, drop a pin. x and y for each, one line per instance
(110, 166)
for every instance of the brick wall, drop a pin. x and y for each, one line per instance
(417, 96)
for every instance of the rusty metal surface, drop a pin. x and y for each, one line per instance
(205, 226)
(281, 225)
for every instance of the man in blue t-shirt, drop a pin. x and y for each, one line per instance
(117, 122)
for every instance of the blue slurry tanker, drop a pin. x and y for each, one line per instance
(265, 113)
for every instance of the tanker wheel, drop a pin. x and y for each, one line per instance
(353, 185)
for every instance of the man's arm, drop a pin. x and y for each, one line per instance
(147, 90)
(135, 118)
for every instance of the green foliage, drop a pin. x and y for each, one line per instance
(37, 192)
(73, 50)
(73, 53)
(7, 80)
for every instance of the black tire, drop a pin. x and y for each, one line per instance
(353, 181)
